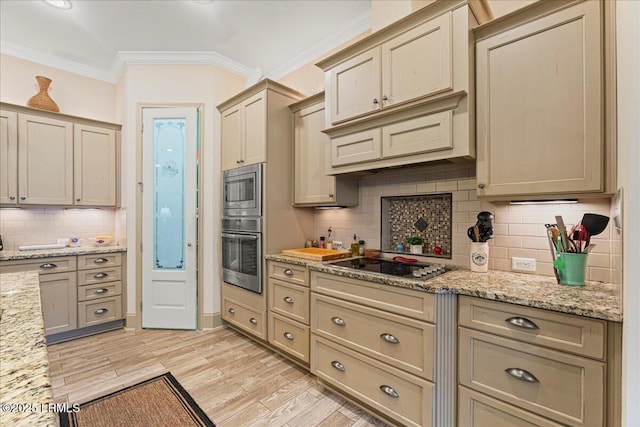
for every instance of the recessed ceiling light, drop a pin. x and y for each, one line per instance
(60, 4)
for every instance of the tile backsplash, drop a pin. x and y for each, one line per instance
(518, 229)
(36, 226)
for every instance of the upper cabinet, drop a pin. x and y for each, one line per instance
(312, 185)
(245, 123)
(541, 103)
(404, 95)
(54, 159)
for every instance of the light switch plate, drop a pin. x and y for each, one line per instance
(523, 264)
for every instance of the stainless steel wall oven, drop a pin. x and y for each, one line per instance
(242, 191)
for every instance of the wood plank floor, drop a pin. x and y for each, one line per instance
(236, 381)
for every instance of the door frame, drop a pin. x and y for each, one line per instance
(135, 321)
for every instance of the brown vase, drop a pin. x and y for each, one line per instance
(42, 100)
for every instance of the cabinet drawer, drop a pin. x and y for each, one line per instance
(289, 336)
(404, 343)
(296, 274)
(478, 410)
(248, 298)
(356, 148)
(407, 399)
(99, 260)
(568, 389)
(564, 332)
(43, 265)
(89, 277)
(99, 311)
(289, 300)
(244, 317)
(406, 302)
(99, 290)
(420, 135)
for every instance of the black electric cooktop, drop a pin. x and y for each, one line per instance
(399, 266)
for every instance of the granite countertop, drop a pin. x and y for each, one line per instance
(25, 388)
(595, 299)
(49, 253)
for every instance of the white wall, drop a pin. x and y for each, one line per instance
(628, 74)
(174, 85)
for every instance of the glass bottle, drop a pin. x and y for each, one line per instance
(329, 239)
(322, 243)
(361, 248)
(355, 246)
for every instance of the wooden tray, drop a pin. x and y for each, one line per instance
(317, 254)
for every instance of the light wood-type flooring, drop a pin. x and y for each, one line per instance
(236, 381)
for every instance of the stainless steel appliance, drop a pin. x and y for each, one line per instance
(242, 191)
(242, 253)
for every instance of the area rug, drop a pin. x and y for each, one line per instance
(159, 401)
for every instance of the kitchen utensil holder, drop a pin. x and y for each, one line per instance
(479, 256)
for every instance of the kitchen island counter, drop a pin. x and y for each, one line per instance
(595, 299)
(25, 387)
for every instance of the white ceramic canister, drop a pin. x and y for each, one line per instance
(479, 257)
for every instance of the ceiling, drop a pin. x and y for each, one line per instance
(97, 38)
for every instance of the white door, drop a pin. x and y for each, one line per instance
(169, 218)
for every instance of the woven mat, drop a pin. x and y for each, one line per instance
(159, 401)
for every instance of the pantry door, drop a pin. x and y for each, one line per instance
(169, 218)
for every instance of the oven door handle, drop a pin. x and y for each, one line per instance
(240, 236)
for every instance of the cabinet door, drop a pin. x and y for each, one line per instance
(354, 87)
(255, 129)
(59, 296)
(355, 148)
(420, 135)
(45, 161)
(312, 149)
(231, 122)
(417, 63)
(8, 157)
(539, 106)
(95, 166)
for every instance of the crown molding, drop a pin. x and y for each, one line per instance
(357, 27)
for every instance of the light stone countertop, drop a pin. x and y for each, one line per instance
(50, 253)
(25, 387)
(595, 299)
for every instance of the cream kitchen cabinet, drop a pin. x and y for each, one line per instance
(541, 103)
(246, 126)
(535, 367)
(8, 157)
(244, 310)
(54, 159)
(312, 185)
(405, 94)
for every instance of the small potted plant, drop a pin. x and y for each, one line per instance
(415, 243)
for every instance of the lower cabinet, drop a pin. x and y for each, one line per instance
(526, 366)
(79, 294)
(245, 310)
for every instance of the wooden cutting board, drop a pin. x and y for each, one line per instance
(317, 254)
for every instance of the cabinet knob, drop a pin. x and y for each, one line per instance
(78, 199)
(390, 338)
(12, 197)
(100, 275)
(253, 321)
(331, 195)
(23, 198)
(389, 391)
(384, 98)
(375, 100)
(48, 265)
(100, 291)
(288, 272)
(101, 311)
(238, 162)
(337, 365)
(288, 335)
(481, 185)
(100, 260)
(522, 375)
(338, 321)
(232, 311)
(521, 322)
(288, 300)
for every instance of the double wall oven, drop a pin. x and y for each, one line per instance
(242, 227)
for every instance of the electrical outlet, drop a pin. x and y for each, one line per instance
(523, 264)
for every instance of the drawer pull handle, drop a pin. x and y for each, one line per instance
(337, 365)
(288, 300)
(101, 311)
(522, 375)
(100, 260)
(288, 272)
(101, 291)
(253, 321)
(390, 338)
(288, 335)
(232, 311)
(338, 321)
(388, 390)
(522, 322)
(48, 265)
(100, 275)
